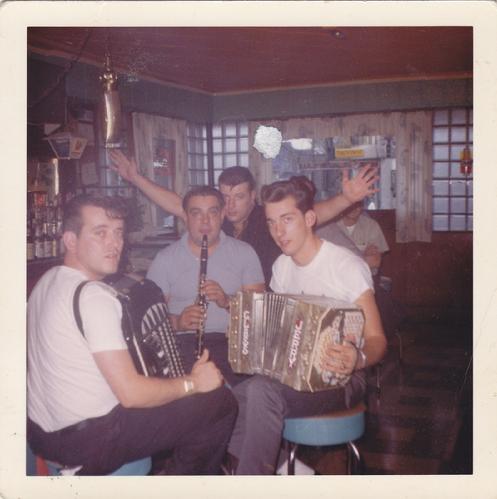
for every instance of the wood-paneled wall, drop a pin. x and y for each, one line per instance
(432, 280)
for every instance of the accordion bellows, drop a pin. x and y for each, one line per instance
(285, 337)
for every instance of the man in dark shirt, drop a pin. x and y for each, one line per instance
(245, 219)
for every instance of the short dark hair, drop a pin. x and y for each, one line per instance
(236, 175)
(300, 188)
(202, 190)
(114, 206)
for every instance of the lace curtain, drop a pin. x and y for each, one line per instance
(412, 132)
(145, 128)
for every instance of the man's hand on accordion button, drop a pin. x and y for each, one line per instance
(205, 375)
(340, 358)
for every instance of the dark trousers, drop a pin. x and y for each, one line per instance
(217, 344)
(196, 429)
(264, 404)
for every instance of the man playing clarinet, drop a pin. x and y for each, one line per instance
(232, 266)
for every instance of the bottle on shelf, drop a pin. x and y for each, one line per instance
(39, 242)
(30, 244)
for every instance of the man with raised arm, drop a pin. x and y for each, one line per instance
(245, 219)
(88, 407)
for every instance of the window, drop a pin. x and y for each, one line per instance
(229, 146)
(197, 155)
(452, 187)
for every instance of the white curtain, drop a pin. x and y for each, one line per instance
(145, 128)
(412, 132)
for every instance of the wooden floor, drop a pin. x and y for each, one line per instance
(420, 422)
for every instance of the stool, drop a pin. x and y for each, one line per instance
(37, 466)
(334, 428)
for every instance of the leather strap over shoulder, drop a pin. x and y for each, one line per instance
(75, 306)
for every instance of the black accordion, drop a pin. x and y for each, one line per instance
(285, 337)
(146, 326)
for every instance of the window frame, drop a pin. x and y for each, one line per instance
(451, 164)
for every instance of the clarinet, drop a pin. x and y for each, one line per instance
(201, 298)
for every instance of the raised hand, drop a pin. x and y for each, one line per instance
(125, 167)
(362, 185)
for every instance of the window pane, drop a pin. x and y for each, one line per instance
(440, 205)
(458, 205)
(441, 117)
(230, 145)
(457, 188)
(198, 178)
(244, 145)
(455, 170)
(458, 222)
(230, 129)
(440, 152)
(470, 205)
(458, 116)
(230, 160)
(216, 176)
(470, 222)
(455, 152)
(243, 129)
(458, 134)
(217, 146)
(470, 187)
(440, 135)
(217, 131)
(440, 187)
(218, 161)
(440, 222)
(243, 159)
(440, 170)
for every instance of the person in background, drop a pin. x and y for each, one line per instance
(88, 408)
(366, 234)
(232, 266)
(245, 219)
(308, 266)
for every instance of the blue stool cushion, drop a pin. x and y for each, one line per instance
(140, 467)
(329, 429)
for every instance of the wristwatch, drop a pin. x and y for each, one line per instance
(188, 385)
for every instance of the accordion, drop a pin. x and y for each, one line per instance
(146, 326)
(285, 337)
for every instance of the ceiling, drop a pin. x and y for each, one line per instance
(224, 60)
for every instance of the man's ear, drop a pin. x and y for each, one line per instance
(310, 218)
(69, 238)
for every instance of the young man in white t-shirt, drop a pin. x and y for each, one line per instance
(308, 265)
(88, 407)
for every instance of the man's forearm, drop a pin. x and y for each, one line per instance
(330, 208)
(168, 200)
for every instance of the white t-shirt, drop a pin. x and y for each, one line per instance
(334, 272)
(364, 232)
(65, 385)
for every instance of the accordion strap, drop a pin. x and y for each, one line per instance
(75, 306)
